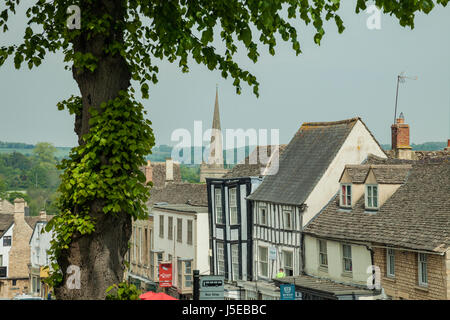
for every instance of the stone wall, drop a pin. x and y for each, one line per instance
(405, 284)
(12, 287)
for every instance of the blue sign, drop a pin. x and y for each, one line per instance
(287, 292)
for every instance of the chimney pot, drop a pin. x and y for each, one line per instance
(42, 214)
(169, 169)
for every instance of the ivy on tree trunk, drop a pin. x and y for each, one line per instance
(113, 43)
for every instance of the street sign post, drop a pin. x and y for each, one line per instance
(272, 253)
(212, 287)
(287, 292)
(165, 275)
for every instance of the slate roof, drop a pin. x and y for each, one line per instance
(416, 216)
(305, 160)
(252, 166)
(180, 193)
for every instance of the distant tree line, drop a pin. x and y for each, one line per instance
(15, 145)
(32, 177)
(426, 146)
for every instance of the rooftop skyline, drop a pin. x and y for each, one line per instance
(349, 75)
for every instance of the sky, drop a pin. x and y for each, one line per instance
(353, 74)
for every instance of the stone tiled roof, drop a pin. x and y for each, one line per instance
(6, 206)
(6, 220)
(421, 155)
(385, 174)
(252, 166)
(416, 216)
(357, 173)
(32, 220)
(180, 193)
(304, 161)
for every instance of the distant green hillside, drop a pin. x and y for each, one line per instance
(427, 146)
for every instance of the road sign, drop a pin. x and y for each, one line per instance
(273, 253)
(287, 292)
(212, 287)
(165, 274)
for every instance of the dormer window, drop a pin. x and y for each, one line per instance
(371, 196)
(346, 195)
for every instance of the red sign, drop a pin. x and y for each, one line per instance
(165, 274)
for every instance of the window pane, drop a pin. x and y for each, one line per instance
(347, 257)
(233, 215)
(161, 226)
(375, 197)
(343, 195)
(179, 230)
(263, 263)
(189, 239)
(220, 259)
(218, 205)
(235, 261)
(170, 228)
(263, 216)
(349, 196)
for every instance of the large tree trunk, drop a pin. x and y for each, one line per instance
(100, 255)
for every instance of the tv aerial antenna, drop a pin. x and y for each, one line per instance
(401, 78)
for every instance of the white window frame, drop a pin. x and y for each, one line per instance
(232, 195)
(323, 253)
(370, 196)
(422, 260)
(346, 196)
(344, 258)
(390, 262)
(262, 263)
(290, 219)
(220, 219)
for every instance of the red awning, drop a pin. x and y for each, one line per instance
(156, 296)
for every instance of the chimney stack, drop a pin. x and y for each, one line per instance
(400, 139)
(148, 172)
(169, 170)
(19, 210)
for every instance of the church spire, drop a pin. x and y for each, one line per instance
(216, 118)
(216, 150)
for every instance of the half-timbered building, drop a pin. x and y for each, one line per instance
(307, 178)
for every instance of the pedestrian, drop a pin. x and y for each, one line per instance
(281, 273)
